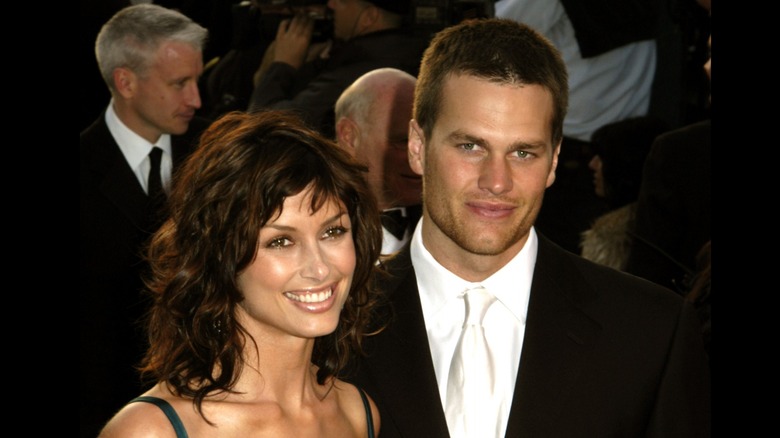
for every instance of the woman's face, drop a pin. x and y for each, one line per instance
(302, 271)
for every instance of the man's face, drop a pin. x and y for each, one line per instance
(486, 166)
(346, 15)
(383, 147)
(166, 96)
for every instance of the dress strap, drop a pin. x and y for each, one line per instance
(173, 417)
(369, 417)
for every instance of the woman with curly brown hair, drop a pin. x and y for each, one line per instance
(261, 284)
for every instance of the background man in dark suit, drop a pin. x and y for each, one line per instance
(673, 221)
(372, 122)
(577, 349)
(150, 57)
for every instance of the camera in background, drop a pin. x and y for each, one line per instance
(271, 12)
(430, 16)
(426, 17)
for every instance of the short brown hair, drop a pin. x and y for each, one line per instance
(499, 50)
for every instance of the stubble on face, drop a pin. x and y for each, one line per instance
(444, 209)
(470, 220)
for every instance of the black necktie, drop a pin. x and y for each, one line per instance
(154, 182)
(395, 222)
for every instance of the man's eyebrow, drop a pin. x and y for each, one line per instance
(462, 137)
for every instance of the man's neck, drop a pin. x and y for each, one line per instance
(130, 119)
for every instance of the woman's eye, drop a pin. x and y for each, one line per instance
(279, 242)
(335, 232)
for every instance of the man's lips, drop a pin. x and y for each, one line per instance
(491, 209)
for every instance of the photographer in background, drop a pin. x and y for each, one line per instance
(308, 78)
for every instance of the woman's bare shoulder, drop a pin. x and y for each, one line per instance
(353, 405)
(140, 419)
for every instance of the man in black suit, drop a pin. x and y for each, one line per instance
(372, 122)
(577, 349)
(150, 57)
(673, 216)
(673, 213)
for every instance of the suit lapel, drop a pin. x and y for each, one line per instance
(414, 212)
(404, 356)
(118, 182)
(558, 337)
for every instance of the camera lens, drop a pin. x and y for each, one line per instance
(323, 26)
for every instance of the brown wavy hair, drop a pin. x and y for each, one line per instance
(237, 179)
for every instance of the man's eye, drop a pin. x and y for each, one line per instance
(468, 146)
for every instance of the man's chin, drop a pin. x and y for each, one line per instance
(180, 128)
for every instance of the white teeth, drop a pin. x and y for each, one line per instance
(317, 297)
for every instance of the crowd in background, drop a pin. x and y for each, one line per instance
(631, 190)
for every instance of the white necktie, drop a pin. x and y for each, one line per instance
(471, 384)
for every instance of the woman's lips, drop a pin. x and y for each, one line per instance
(314, 301)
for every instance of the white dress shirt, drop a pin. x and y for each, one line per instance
(136, 150)
(504, 321)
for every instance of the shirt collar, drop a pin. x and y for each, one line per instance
(134, 147)
(511, 284)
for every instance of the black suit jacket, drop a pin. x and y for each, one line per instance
(413, 212)
(115, 221)
(605, 354)
(674, 209)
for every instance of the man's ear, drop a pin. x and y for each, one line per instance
(551, 176)
(368, 18)
(346, 134)
(416, 147)
(125, 82)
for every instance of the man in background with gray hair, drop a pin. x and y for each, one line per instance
(150, 58)
(372, 122)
